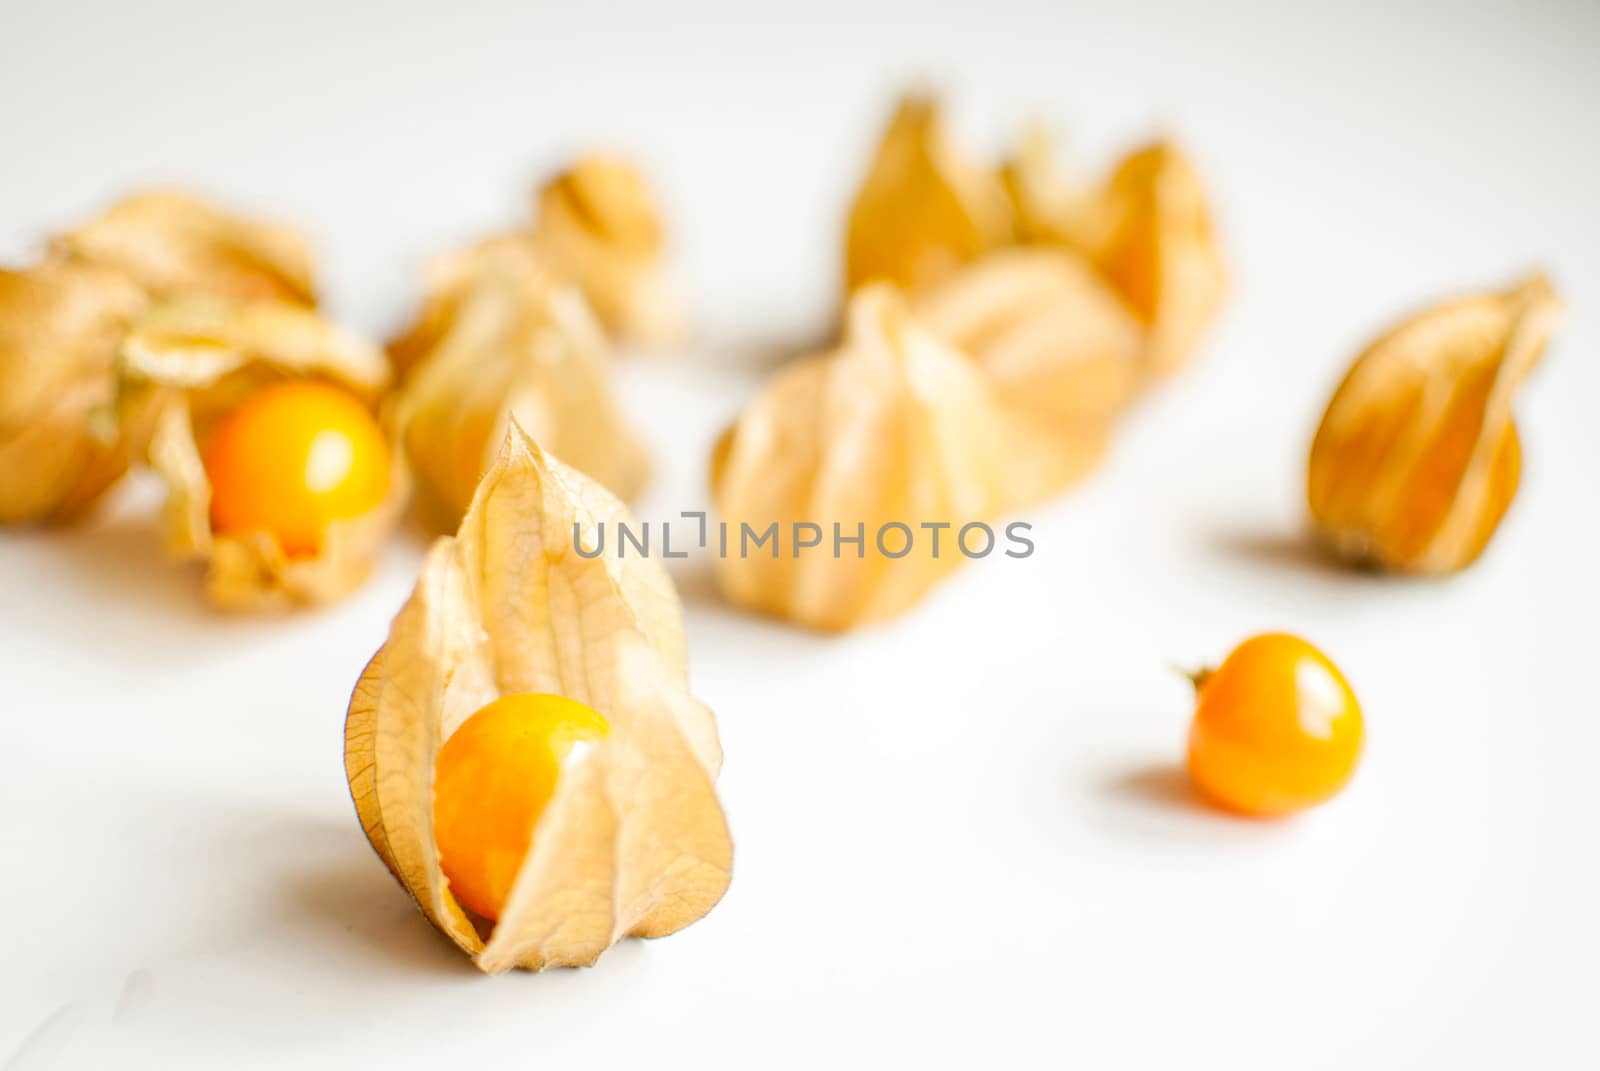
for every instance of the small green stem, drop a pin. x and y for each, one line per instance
(1196, 677)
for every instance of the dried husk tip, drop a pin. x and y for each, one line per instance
(1147, 228)
(1417, 458)
(500, 336)
(597, 224)
(634, 841)
(1151, 235)
(923, 209)
(184, 366)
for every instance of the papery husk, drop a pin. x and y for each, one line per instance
(597, 224)
(174, 245)
(60, 448)
(184, 365)
(62, 440)
(1047, 207)
(894, 426)
(634, 842)
(499, 336)
(1417, 458)
(1060, 350)
(923, 209)
(1148, 230)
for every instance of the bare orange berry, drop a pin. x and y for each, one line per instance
(293, 458)
(494, 777)
(1276, 728)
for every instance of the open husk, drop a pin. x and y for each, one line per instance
(634, 842)
(597, 224)
(1060, 350)
(892, 428)
(60, 447)
(923, 209)
(61, 321)
(1417, 458)
(500, 337)
(184, 365)
(174, 244)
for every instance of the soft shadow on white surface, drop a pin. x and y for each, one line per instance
(712, 619)
(114, 559)
(121, 558)
(263, 927)
(118, 600)
(1158, 801)
(324, 890)
(1297, 552)
(760, 351)
(148, 608)
(337, 902)
(1163, 784)
(115, 609)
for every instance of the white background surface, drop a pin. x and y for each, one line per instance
(963, 839)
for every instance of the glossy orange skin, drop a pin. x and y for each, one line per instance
(494, 777)
(1276, 728)
(290, 460)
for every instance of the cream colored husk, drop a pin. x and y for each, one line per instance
(500, 337)
(1417, 458)
(184, 365)
(634, 842)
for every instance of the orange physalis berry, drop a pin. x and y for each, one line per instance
(1276, 728)
(494, 777)
(290, 460)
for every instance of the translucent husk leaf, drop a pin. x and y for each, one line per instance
(1417, 458)
(634, 842)
(923, 210)
(60, 324)
(1147, 229)
(1047, 207)
(893, 427)
(174, 245)
(1060, 350)
(597, 224)
(1149, 232)
(184, 366)
(499, 337)
(61, 442)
